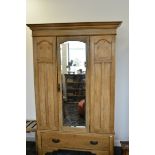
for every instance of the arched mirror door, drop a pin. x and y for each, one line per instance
(73, 75)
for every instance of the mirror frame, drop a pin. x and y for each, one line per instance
(60, 40)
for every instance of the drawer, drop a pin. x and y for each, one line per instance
(75, 141)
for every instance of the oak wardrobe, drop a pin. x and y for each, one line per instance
(74, 73)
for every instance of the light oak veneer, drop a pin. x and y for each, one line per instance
(98, 136)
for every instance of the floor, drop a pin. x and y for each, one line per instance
(30, 150)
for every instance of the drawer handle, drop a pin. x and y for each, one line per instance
(55, 140)
(94, 142)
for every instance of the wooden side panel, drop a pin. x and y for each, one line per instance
(101, 84)
(42, 94)
(46, 82)
(97, 96)
(111, 145)
(105, 97)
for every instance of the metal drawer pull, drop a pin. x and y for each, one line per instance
(55, 140)
(94, 142)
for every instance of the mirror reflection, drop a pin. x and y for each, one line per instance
(73, 75)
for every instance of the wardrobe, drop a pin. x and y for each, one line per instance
(74, 78)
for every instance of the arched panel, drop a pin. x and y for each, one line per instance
(45, 51)
(102, 49)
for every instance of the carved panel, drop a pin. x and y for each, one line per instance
(102, 49)
(47, 102)
(45, 47)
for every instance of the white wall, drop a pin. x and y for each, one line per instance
(57, 11)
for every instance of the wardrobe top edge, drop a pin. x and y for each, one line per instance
(77, 25)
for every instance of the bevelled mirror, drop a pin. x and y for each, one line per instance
(73, 73)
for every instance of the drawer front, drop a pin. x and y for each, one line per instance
(75, 141)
